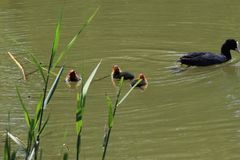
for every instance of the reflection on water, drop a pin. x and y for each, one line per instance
(192, 114)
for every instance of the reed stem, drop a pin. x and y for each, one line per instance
(114, 112)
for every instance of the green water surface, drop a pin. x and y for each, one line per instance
(190, 115)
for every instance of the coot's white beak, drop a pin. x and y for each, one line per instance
(238, 48)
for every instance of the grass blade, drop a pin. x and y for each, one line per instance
(26, 115)
(7, 145)
(53, 87)
(44, 125)
(7, 148)
(43, 68)
(81, 99)
(126, 95)
(79, 121)
(17, 141)
(55, 41)
(110, 112)
(38, 65)
(78, 146)
(90, 78)
(31, 156)
(69, 45)
(119, 91)
(14, 155)
(37, 112)
(65, 156)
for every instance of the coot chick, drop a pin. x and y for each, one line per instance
(72, 76)
(142, 84)
(118, 74)
(208, 58)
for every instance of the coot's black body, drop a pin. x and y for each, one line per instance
(208, 58)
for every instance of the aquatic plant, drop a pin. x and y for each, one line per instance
(8, 153)
(36, 124)
(112, 111)
(81, 101)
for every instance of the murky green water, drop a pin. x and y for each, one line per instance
(181, 116)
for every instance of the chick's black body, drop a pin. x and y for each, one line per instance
(73, 77)
(140, 84)
(118, 74)
(125, 75)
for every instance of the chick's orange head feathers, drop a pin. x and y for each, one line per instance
(141, 76)
(115, 68)
(72, 73)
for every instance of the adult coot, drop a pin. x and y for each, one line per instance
(118, 74)
(208, 58)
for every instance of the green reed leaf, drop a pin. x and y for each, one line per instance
(26, 115)
(38, 65)
(43, 68)
(31, 155)
(56, 40)
(110, 112)
(44, 125)
(7, 148)
(65, 156)
(14, 155)
(126, 95)
(81, 99)
(53, 87)
(37, 111)
(111, 115)
(7, 145)
(79, 121)
(89, 80)
(119, 90)
(69, 45)
(17, 141)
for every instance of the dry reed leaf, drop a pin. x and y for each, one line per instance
(18, 64)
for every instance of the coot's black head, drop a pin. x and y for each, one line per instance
(232, 44)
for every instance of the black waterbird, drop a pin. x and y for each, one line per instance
(208, 58)
(118, 74)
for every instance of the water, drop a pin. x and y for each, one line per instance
(187, 115)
